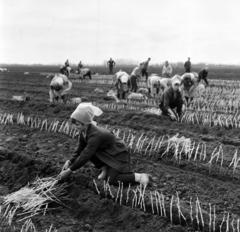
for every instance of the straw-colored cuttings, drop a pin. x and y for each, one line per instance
(33, 199)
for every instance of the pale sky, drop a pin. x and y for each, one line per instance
(51, 31)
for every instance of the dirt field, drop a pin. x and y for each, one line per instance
(185, 194)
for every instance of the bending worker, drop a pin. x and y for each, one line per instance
(59, 87)
(203, 75)
(122, 83)
(153, 84)
(171, 99)
(136, 74)
(189, 85)
(102, 148)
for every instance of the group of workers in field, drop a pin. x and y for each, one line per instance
(107, 152)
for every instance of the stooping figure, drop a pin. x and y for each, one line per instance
(202, 75)
(122, 84)
(165, 82)
(172, 99)
(135, 75)
(102, 148)
(144, 66)
(167, 70)
(85, 72)
(189, 86)
(59, 87)
(66, 69)
(153, 84)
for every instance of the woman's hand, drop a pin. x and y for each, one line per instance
(66, 165)
(65, 174)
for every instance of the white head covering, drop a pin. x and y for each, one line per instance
(176, 79)
(85, 113)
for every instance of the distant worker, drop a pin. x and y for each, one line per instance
(187, 66)
(111, 64)
(80, 66)
(67, 63)
(85, 72)
(59, 87)
(66, 69)
(122, 84)
(167, 70)
(144, 66)
(172, 99)
(189, 86)
(202, 75)
(165, 82)
(153, 84)
(135, 75)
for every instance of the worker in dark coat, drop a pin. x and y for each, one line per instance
(187, 66)
(202, 75)
(102, 148)
(172, 99)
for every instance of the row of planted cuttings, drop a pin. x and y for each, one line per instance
(176, 148)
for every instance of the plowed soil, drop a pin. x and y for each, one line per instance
(27, 152)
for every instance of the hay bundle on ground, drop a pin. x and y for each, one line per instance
(33, 199)
(136, 96)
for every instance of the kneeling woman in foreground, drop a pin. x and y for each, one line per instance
(102, 148)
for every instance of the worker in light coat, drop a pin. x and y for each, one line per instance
(153, 84)
(122, 84)
(59, 87)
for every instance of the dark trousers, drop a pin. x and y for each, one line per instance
(87, 75)
(145, 73)
(114, 175)
(110, 69)
(121, 94)
(133, 80)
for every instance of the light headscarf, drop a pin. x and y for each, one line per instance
(176, 79)
(85, 113)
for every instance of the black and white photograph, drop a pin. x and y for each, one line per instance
(119, 116)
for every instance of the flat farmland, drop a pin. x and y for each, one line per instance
(193, 164)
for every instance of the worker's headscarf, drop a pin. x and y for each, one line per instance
(85, 113)
(176, 80)
(124, 81)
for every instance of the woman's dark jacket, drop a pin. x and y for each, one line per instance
(101, 143)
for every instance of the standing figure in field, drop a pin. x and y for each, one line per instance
(135, 75)
(98, 145)
(153, 84)
(80, 66)
(171, 103)
(187, 66)
(189, 86)
(167, 70)
(144, 66)
(111, 64)
(59, 87)
(85, 72)
(122, 84)
(202, 75)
